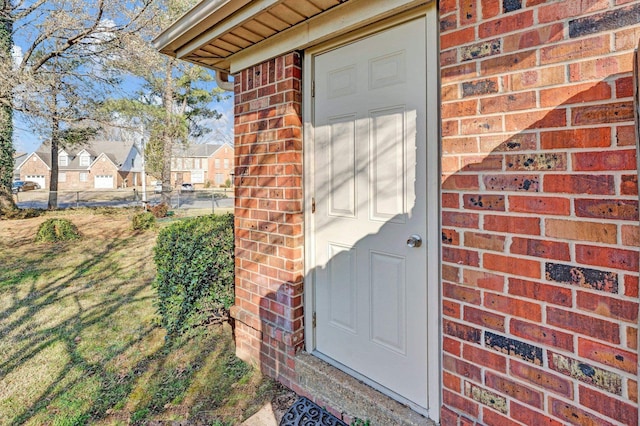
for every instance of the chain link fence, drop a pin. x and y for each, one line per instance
(198, 202)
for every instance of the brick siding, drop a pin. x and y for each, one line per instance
(539, 212)
(269, 217)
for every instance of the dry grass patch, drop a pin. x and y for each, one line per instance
(80, 341)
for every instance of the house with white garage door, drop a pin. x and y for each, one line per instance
(97, 165)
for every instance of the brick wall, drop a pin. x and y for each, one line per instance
(540, 212)
(269, 218)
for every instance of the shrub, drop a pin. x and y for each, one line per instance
(142, 221)
(195, 271)
(52, 230)
(160, 210)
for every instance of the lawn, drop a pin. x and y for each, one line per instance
(80, 341)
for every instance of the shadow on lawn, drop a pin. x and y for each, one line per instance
(111, 362)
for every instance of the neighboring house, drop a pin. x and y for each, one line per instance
(203, 165)
(96, 165)
(457, 226)
(18, 158)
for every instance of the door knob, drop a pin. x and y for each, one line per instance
(414, 241)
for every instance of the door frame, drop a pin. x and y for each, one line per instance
(434, 353)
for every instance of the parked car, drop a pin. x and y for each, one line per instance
(22, 185)
(186, 187)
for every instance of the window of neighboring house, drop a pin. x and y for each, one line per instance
(133, 162)
(188, 163)
(217, 162)
(84, 177)
(179, 164)
(196, 163)
(62, 177)
(84, 160)
(173, 164)
(226, 163)
(219, 178)
(63, 160)
(197, 176)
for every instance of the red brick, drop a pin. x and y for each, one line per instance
(608, 355)
(512, 224)
(574, 415)
(448, 417)
(540, 248)
(512, 62)
(460, 367)
(457, 38)
(461, 293)
(482, 357)
(629, 185)
(576, 138)
(460, 256)
(506, 24)
(530, 417)
(584, 324)
(512, 182)
(607, 209)
(625, 136)
(461, 331)
(514, 389)
(483, 279)
(581, 230)
(632, 338)
(514, 307)
(507, 103)
(608, 257)
(633, 390)
(450, 273)
(538, 119)
(461, 220)
(631, 286)
(608, 406)
(508, 142)
(483, 202)
(532, 38)
(451, 309)
(459, 72)
(575, 49)
(451, 237)
(608, 306)
(449, 381)
(484, 241)
(461, 182)
(539, 205)
(542, 292)
(451, 346)
(490, 417)
(480, 125)
(460, 109)
(511, 265)
(542, 378)
(459, 402)
(602, 113)
(575, 94)
(580, 184)
(450, 200)
(540, 334)
(605, 160)
(490, 8)
(484, 318)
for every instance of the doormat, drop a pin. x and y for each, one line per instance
(305, 413)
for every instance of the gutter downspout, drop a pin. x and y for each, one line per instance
(222, 80)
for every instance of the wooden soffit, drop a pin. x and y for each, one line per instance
(230, 35)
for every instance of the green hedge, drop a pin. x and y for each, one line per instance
(195, 271)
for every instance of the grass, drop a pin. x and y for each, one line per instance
(80, 344)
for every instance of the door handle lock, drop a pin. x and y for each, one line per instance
(414, 241)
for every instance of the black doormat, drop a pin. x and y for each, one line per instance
(305, 413)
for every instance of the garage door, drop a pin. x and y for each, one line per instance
(103, 182)
(39, 179)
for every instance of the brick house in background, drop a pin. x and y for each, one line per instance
(439, 200)
(203, 165)
(97, 165)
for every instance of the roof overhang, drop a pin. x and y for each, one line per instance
(231, 35)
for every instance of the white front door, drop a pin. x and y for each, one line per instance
(103, 182)
(369, 122)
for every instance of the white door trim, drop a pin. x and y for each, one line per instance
(434, 353)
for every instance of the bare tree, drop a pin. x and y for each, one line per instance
(63, 72)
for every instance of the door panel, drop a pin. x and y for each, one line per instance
(370, 190)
